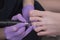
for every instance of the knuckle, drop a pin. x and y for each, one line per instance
(36, 30)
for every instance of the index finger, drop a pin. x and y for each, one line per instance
(37, 13)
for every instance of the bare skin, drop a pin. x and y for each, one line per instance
(25, 2)
(48, 20)
(2, 35)
(28, 2)
(50, 5)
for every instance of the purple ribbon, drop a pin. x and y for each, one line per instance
(25, 12)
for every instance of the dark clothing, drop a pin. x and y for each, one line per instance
(8, 8)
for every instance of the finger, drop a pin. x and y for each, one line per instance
(51, 35)
(38, 29)
(18, 17)
(17, 26)
(37, 13)
(43, 33)
(37, 24)
(35, 19)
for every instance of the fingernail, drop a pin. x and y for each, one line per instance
(38, 34)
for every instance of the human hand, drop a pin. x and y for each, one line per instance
(47, 21)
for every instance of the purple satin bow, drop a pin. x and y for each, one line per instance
(25, 12)
(25, 18)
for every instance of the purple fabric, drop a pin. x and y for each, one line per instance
(21, 32)
(16, 32)
(25, 12)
